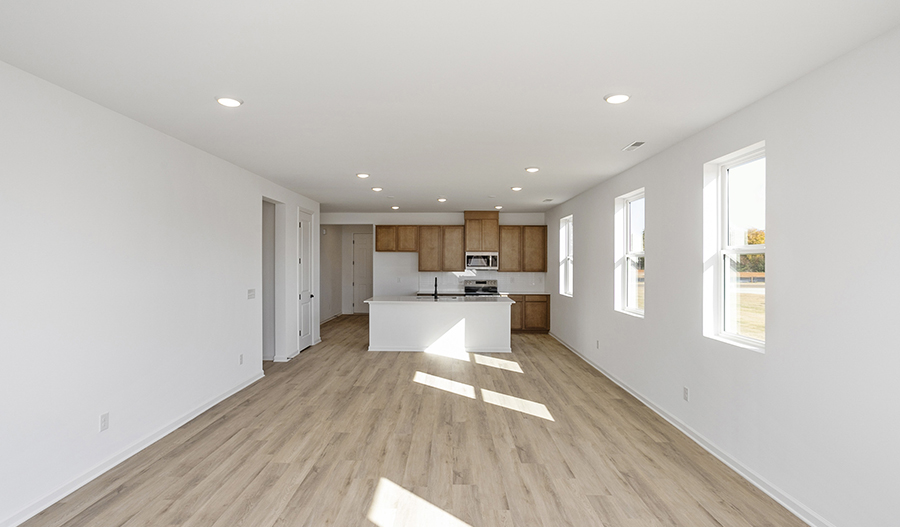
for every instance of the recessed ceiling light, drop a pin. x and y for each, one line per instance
(377, 189)
(498, 207)
(516, 189)
(442, 199)
(230, 102)
(395, 207)
(532, 169)
(616, 98)
(362, 176)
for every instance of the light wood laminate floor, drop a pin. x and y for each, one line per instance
(309, 444)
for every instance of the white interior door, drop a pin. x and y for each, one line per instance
(304, 280)
(362, 272)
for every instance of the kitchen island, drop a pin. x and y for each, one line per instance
(446, 324)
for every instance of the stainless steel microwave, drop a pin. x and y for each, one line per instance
(483, 261)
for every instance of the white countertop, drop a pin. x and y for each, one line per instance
(428, 299)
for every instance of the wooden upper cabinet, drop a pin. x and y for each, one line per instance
(392, 238)
(490, 235)
(510, 244)
(430, 248)
(482, 231)
(408, 238)
(473, 235)
(534, 248)
(454, 248)
(385, 237)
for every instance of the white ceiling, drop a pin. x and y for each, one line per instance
(451, 98)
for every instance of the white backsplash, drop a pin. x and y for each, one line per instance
(506, 282)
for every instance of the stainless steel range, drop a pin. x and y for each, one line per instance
(481, 287)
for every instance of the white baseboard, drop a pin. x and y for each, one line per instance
(286, 358)
(41, 504)
(421, 350)
(788, 502)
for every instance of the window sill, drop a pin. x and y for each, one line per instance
(739, 342)
(635, 314)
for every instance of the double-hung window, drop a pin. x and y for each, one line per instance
(566, 256)
(739, 283)
(630, 253)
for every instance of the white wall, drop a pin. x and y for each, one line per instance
(398, 273)
(331, 276)
(814, 419)
(127, 260)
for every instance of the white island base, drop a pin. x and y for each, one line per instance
(444, 325)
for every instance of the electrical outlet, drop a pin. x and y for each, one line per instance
(687, 394)
(241, 358)
(251, 293)
(104, 421)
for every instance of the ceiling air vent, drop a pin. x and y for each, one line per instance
(548, 200)
(633, 146)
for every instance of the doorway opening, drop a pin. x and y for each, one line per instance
(268, 280)
(362, 272)
(346, 276)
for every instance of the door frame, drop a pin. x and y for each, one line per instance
(310, 263)
(353, 237)
(287, 275)
(275, 287)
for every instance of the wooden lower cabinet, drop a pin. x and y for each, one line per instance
(517, 312)
(530, 313)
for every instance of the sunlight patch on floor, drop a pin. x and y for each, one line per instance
(394, 506)
(503, 364)
(447, 385)
(452, 343)
(514, 403)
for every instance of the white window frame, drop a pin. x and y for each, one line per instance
(567, 256)
(624, 253)
(716, 247)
